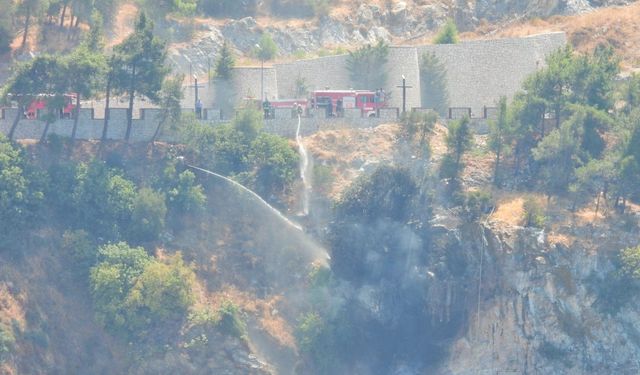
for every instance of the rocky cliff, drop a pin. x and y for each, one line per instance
(539, 303)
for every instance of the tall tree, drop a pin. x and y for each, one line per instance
(267, 48)
(30, 9)
(367, 66)
(170, 103)
(225, 62)
(433, 84)
(499, 136)
(142, 69)
(85, 73)
(38, 76)
(6, 25)
(559, 154)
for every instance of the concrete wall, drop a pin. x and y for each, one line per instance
(480, 71)
(320, 73)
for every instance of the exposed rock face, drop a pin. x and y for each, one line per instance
(538, 307)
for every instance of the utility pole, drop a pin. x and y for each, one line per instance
(404, 93)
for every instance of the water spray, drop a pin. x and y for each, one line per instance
(304, 166)
(246, 190)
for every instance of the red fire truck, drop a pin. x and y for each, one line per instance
(40, 103)
(335, 101)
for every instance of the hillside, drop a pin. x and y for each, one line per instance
(484, 219)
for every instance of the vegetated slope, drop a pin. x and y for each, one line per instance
(241, 255)
(615, 26)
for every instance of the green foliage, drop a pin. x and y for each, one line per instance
(421, 123)
(139, 65)
(7, 342)
(92, 197)
(184, 195)
(133, 292)
(111, 281)
(225, 62)
(227, 319)
(533, 215)
(230, 321)
(264, 162)
(433, 84)
(448, 34)
(559, 154)
(6, 25)
(386, 193)
(630, 262)
(266, 48)
(500, 133)
(147, 216)
(477, 203)
(367, 66)
(80, 247)
(162, 293)
(459, 140)
(21, 191)
(275, 164)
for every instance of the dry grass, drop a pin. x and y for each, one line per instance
(11, 308)
(264, 310)
(509, 210)
(123, 24)
(617, 26)
(345, 151)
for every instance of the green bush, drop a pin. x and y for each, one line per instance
(477, 203)
(7, 341)
(80, 247)
(147, 215)
(230, 321)
(448, 34)
(133, 292)
(533, 215)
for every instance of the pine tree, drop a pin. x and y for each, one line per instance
(433, 84)
(225, 63)
(448, 34)
(142, 65)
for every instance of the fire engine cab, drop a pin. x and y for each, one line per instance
(335, 101)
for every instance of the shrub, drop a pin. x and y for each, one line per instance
(147, 216)
(233, 8)
(134, 292)
(230, 320)
(533, 215)
(80, 247)
(477, 203)
(448, 34)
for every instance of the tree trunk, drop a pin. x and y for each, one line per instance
(106, 110)
(597, 204)
(496, 167)
(64, 13)
(16, 120)
(77, 22)
(132, 94)
(76, 114)
(46, 128)
(26, 27)
(155, 134)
